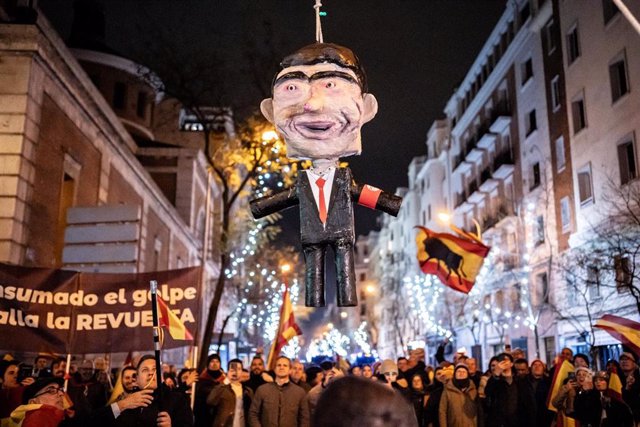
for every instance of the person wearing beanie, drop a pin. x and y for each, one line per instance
(210, 377)
(389, 376)
(581, 360)
(596, 406)
(459, 405)
(43, 404)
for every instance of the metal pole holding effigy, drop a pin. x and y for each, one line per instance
(156, 336)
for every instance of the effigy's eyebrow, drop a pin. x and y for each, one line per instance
(338, 74)
(293, 75)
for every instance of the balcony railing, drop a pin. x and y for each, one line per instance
(472, 187)
(485, 175)
(504, 158)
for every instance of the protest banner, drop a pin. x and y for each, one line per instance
(70, 312)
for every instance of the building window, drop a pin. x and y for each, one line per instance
(573, 45)
(119, 95)
(527, 71)
(555, 93)
(627, 162)
(585, 187)
(560, 157)
(525, 13)
(622, 265)
(535, 176)
(429, 212)
(593, 282)
(539, 230)
(531, 122)
(618, 77)
(565, 214)
(609, 10)
(550, 35)
(579, 113)
(141, 106)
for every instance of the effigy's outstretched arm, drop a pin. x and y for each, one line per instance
(375, 198)
(273, 203)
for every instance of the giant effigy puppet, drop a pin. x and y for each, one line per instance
(319, 103)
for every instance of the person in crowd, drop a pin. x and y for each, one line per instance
(314, 375)
(128, 381)
(390, 377)
(356, 371)
(581, 360)
(509, 401)
(459, 404)
(147, 407)
(367, 372)
(443, 375)
(41, 366)
(521, 366)
(186, 377)
(211, 376)
(231, 400)
(416, 365)
(297, 375)
(492, 372)
(540, 384)
(85, 391)
(58, 367)
(630, 378)
(258, 376)
(518, 353)
(595, 407)
(314, 394)
(572, 385)
(43, 404)
(353, 402)
(474, 373)
(11, 390)
(403, 364)
(418, 395)
(170, 380)
(279, 403)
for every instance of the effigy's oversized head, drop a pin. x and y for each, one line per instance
(319, 102)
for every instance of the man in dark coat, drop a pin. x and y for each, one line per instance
(630, 377)
(319, 104)
(509, 400)
(280, 403)
(208, 379)
(231, 400)
(171, 409)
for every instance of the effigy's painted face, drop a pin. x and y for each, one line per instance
(319, 110)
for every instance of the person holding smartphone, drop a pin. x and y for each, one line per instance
(12, 386)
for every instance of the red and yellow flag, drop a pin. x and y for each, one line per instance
(287, 329)
(561, 372)
(625, 330)
(615, 384)
(455, 260)
(170, 320)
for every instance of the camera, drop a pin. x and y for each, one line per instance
(571, 376)
(25, 371)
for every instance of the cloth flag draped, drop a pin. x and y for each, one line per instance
(625, 330)
(170, 320)
(561, 372)
(287, 329)
(456, 261)
(615, 384)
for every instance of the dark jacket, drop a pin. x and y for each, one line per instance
(632, 395)
(223, 401)
(509, 405)
(588, 410)
(540, 389)
(432, 408)
(206, 382)
(275, 405)
(175, 403)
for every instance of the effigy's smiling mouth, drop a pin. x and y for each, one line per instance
(316, 126)
(319, 128)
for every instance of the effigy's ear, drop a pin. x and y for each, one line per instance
(266, 106)
(370, 107)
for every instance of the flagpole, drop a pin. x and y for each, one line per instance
(66, 372)
(156, 336)
(193, 384)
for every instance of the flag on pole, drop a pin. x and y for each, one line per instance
(456, 261)
(615, 384)
(624, 330)
(561, 372)
(287, 329)
(170, 320)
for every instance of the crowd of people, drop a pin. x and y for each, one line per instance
(403, 392)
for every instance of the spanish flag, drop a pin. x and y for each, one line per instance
(455, 260)
(561, 372)
(168, 319)
(287, 329)
(615, 384)
(625, 330)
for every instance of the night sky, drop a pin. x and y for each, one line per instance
(415, 52)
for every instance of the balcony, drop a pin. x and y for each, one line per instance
(485, 175)
(472, 187)
(459, 199)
